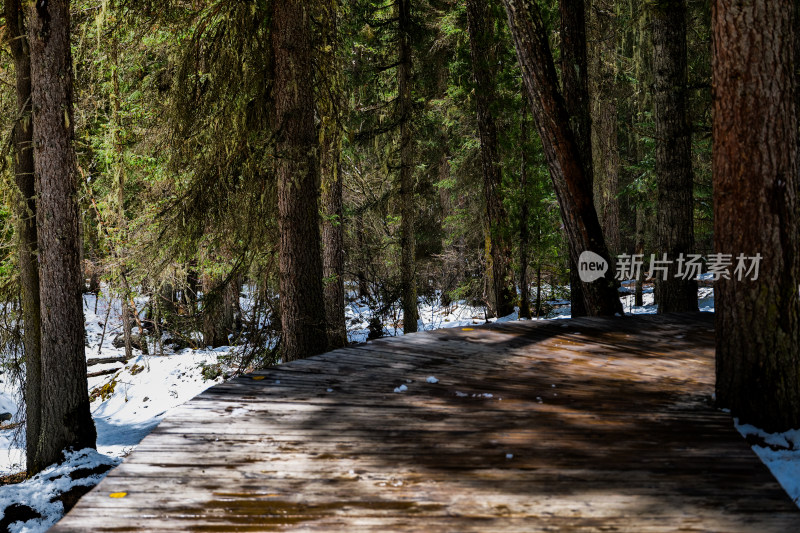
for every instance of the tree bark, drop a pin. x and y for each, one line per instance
(524, 233)
(220, 301)
(674, 177)
(482, 40)
(408, 285)
(26, 229)
(301, 293)
(561, 152)
(329, 105)
(66, 417)
(574, 82)
(605, 144)
(755, 167)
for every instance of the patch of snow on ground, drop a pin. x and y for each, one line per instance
(38, 491)
(781, 455)
(145, 389)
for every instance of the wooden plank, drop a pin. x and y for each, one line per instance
(593, 425)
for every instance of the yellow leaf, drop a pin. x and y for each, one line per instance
(467, 329)
(258, 378)
(117, 494)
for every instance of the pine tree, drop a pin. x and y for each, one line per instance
(66, 418)
(26, 228)
(674, 177)
(329, 105)
(561, 151)
(575, 84)
(498, 251)
(408, 284)
(755, 165)
(302, 305)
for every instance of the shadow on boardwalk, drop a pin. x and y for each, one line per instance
(580, 425)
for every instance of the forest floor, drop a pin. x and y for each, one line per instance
(131, 398)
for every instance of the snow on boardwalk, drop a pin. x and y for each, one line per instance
(578, 425)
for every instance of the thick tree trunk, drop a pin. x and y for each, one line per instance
(26, 229)
(674, 177)
(329, 105)
(561, 152)
(755, 167)
(482, 40)
(574, 82)
(301, 296)
(66, 417)
(408, 285)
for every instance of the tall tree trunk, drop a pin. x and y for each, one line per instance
(561, 152)
(524, 233)
(755, 167)
(482, 40)
(301, 300)
(26, 229)
(605, 144)
(408, 283)
(66, 417)
(115, 119)
(329, 104)
(574, 81)
(674, 178)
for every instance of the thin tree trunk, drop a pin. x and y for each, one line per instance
(574, 81)
(66, 417)
(561, 152)
(639, 250)
(329, 104)
(674, 177)
(482, 40)
(524, 233)
(26, 229)
(219, 304)
(301, 293)
(363, 285)
(407, 215)
(538, 289)
(115, 119)
(755, 137)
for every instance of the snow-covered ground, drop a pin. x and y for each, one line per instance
(781, 454)
(138, 394)
(141, 392)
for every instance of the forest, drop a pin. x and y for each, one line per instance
(176, 156)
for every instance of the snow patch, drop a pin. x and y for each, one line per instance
(781, 456)
(52, 482)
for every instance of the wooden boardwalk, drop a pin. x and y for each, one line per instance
(564, 426)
